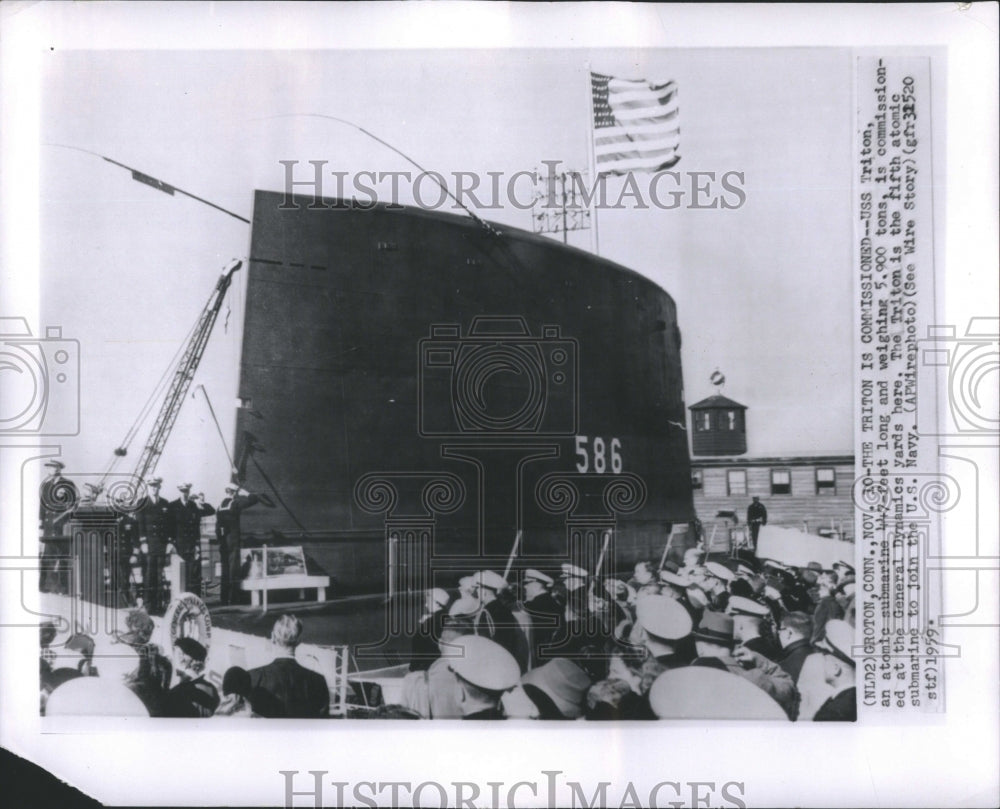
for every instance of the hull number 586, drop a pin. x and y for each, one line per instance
(597, 456)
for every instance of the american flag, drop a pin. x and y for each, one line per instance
(636, 125)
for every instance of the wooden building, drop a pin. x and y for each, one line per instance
(810, 492)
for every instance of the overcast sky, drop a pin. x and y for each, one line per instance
(763, 292)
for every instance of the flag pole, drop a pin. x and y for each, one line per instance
(595, 240)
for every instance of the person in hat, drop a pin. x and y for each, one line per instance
(716, 583)
(57, 497)
(484, 670)
(827, 608)
(284, 688)
(643, 573)
(808, 575)
(574, 581)
(665, 633)
(193, 697)
(424, 648)
(679, 587)
(693, 557)
(714, 639)
(74, 659)
(573, 591)
(228, 535)
(752, 626)
(558, 688)
(156, 530)
(794, 636)
(188, 512)
(496, 620)
(839, 673)
(151, 679)
(547, 613)
(440, 681)
(756, 517)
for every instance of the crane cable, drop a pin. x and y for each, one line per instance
(157, 391)
(218, 429)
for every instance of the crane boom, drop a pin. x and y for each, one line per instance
(183, 376)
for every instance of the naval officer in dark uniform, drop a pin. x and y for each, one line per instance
(227, 532)
(547, 614)
(756, 517)
(57, 497)
(156, 529)
(187, 513)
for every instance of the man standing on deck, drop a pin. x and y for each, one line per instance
(156, 528)
(57, 497)
(756, 517)
(187, 513)
(227, 532)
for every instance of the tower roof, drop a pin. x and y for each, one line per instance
(717, 401)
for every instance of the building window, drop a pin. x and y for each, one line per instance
(736, 482)
(697, 479)
(826, 480)
(732, 419)
(703, 421)
(781, 481)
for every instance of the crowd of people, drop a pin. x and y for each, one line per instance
(557, 645)
(134, 677)
(569, 646)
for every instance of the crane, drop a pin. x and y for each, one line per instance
(182, 378)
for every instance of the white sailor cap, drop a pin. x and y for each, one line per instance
(719, 571)
(573, 572)
(54, 464)
(696, 596)
(845, 565)
(467, 583)
(837, 640)
(696, 692)
(185, 487)
(536, 575)
(484, 663)
(232, 488)
(94, 696)
(491, 581)
(738, 605)
(772, 592)
(154, 482)
(464, 607)
(662, 617)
